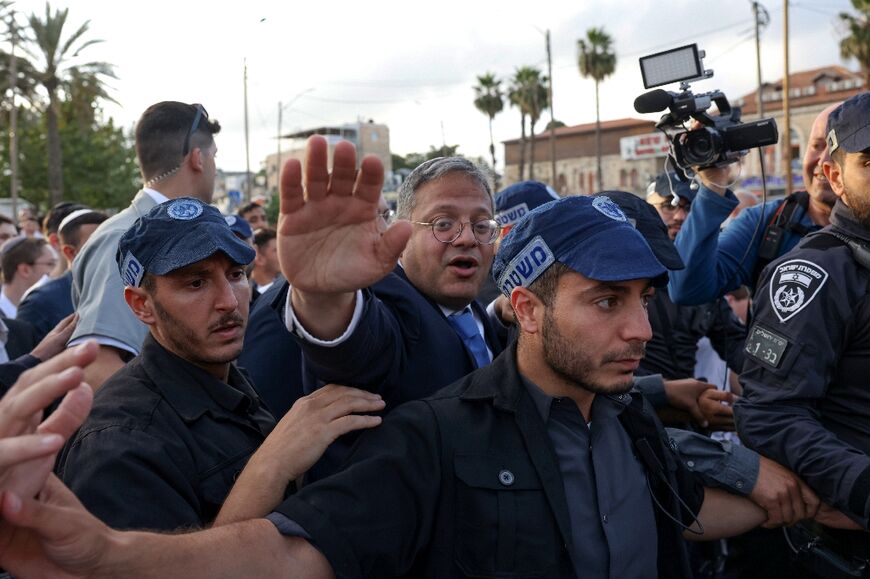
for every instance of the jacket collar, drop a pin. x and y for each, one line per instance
(192, 391)
(500, 381)
(843, 219)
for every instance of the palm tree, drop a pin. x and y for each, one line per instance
(857, 44)
(51, 58)
(597, 61)
(516, 96)
(537, 102)
(488, 100)
(528, 93)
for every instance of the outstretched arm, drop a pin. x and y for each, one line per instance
(330, 242)
(298, 441)
(725, 515)
(56, 537)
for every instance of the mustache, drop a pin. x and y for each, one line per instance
(635, 350)
(232, 318)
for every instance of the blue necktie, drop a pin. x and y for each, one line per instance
(464, 324)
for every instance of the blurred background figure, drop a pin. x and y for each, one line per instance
(255, 215)
(23, 261)
(43, 307)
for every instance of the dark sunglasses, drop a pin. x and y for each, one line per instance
(197, 118)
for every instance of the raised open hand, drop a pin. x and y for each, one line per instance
(329, 241)
(27, 443)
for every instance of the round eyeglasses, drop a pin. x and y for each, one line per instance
(448, 230)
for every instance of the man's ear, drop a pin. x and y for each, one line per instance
(834, 174)
(195, 160)
(140, 303)
(259, 258)
(68, 251)
(528, 309)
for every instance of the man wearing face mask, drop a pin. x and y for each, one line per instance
(717, 263)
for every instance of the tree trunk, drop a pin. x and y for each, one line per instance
(598, 141)
(492, 153)
(55, 160)
(532, 148)
(522, 147)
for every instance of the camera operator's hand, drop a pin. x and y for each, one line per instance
(715, 178)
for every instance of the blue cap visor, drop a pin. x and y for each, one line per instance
(202, 241)
(612, 254)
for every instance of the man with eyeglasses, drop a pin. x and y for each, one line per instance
(24, 261)
(176, 152)
(403, 330)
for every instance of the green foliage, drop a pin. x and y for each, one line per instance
(595, 55)
(273, 210)
(412, 160)
(100, 168)
(54, 64)
(857, 42)
(529, 93)
(488, 96)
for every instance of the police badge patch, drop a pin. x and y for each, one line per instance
(794, 285)
(184, 209)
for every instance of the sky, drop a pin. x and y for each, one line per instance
(413, 66)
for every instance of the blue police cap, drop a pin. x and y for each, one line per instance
(239, 226)
(176, 234)
(590, 235)
(667, 184)
(849, 125)
(647, 221)
(515, 201)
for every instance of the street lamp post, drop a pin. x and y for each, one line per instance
(281, 108)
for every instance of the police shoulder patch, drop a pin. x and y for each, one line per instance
(231, 220)
(793, 286)
(606, 206)
(184, 209)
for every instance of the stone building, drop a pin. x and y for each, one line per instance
(810, 92)
(575, 158)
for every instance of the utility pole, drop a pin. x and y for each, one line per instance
(785, 106)
(762, 18)
(278, 158)
(247, 140)
(552, 114)
(13, 119)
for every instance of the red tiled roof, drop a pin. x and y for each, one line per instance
(616, 124)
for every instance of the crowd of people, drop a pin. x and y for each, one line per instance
(471, 384)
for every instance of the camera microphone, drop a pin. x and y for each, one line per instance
(653, 101)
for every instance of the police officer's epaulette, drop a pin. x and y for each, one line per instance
(832, 238)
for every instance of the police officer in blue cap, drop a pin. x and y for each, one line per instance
(806, 401)
(511, 204)
(170, 432)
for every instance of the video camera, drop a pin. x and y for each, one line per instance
(722, 139)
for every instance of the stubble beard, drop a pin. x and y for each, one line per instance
(568, 359)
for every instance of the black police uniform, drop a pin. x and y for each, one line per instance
(466, 483)
(677, 329)
(164, 443)
(806, 403)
